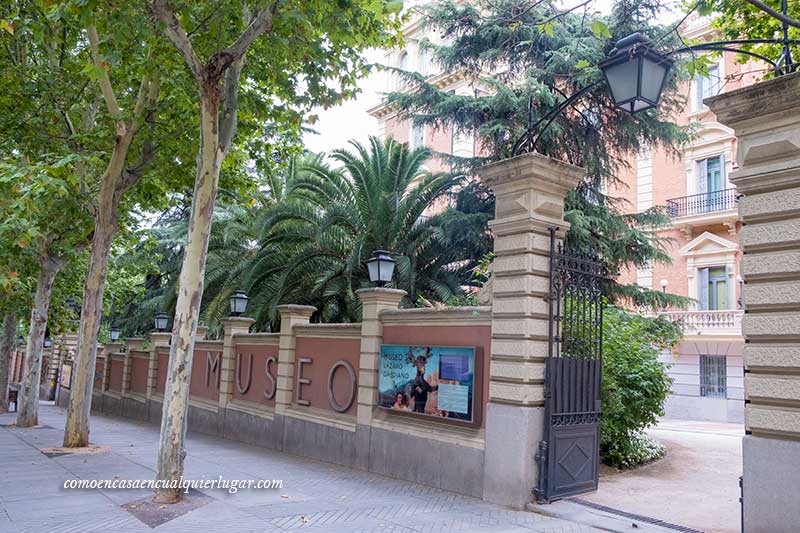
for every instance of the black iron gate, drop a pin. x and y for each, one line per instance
(569, 455)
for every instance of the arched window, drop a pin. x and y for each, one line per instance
(402, 64)
(424, 57)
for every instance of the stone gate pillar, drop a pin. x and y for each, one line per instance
(766, 118)
(530, 191)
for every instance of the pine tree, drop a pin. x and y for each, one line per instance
(527, 57)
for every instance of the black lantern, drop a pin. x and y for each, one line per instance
(161, 320)
(20, 340)
(48, 342)
(114, 333)
(636, 73)
(238, 301)
(381, 268)
(72, 304)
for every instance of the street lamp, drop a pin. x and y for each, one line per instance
(238, 302)
(48, 342)
(161, 320)
(636, 73)
(740, 300)
(381, 268)
(664, 284)
(114, 333)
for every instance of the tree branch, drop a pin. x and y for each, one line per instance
(176, 35)
(776, 14)
(103, 80)
(132, 174)
(230, 105)
(261, 23)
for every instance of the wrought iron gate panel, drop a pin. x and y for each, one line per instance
(569, 455)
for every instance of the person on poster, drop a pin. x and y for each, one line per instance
(420, 388)
(401, 402)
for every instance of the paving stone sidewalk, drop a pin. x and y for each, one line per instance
(316, 496)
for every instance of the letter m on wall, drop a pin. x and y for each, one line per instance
(212, 367)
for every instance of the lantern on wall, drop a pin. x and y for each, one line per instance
(114, 333)
(381, 268)
(238, 302)
(48, 342)
(636, 73)
(160, 321)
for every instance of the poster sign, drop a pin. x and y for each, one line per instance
(428, 380)
(66, 376)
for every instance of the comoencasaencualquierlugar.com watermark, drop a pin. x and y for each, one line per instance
(231, 485)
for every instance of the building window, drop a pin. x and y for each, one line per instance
(707, 86)
(713, 289)
(711, 174)
(713, 374)
(711, 185)
(402, 64)
(424, 58)
(417, 136)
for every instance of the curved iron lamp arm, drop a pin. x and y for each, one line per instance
(723, 46)
(527, 141)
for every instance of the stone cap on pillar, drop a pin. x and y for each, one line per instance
(296, 310)
(134, 343)
(201, 331)
(113, 347)
(237, 324)
(160, 338)
(766, 119)
(530, 188)
(381, 295)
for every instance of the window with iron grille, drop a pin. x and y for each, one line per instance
(713, 372)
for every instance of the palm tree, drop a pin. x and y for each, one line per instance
(305, 237)
(333, 218)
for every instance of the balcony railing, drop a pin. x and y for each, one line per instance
(701, 204)
(720, 322)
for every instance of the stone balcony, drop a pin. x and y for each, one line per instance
(709, 323)
(716, 207)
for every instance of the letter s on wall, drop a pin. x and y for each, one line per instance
(267, 394)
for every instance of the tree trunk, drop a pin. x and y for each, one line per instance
(28, 412)
(76, 430)
(171, 453)
(6, 349)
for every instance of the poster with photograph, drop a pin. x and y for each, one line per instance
(66, 376)
(428, 380)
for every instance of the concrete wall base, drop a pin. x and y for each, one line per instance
(512, 437)
(771, 490)
(431, 462)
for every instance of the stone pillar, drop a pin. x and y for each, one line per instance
(53, 367)
(200, 334)
(126, 372)
(233, 326)
(766, 119)
(373, 302)
(134, 343)
(291, 315)
(530, 191)
(158, 339)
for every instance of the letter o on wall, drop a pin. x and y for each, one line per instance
(341, 408)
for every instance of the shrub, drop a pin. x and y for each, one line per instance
(635, 385)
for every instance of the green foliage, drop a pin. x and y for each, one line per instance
(738, 19)
(525, 58)
(635, 384)
(305, 238)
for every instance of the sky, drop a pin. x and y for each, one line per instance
(350, 120)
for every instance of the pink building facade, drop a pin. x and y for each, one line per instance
(694, 187)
